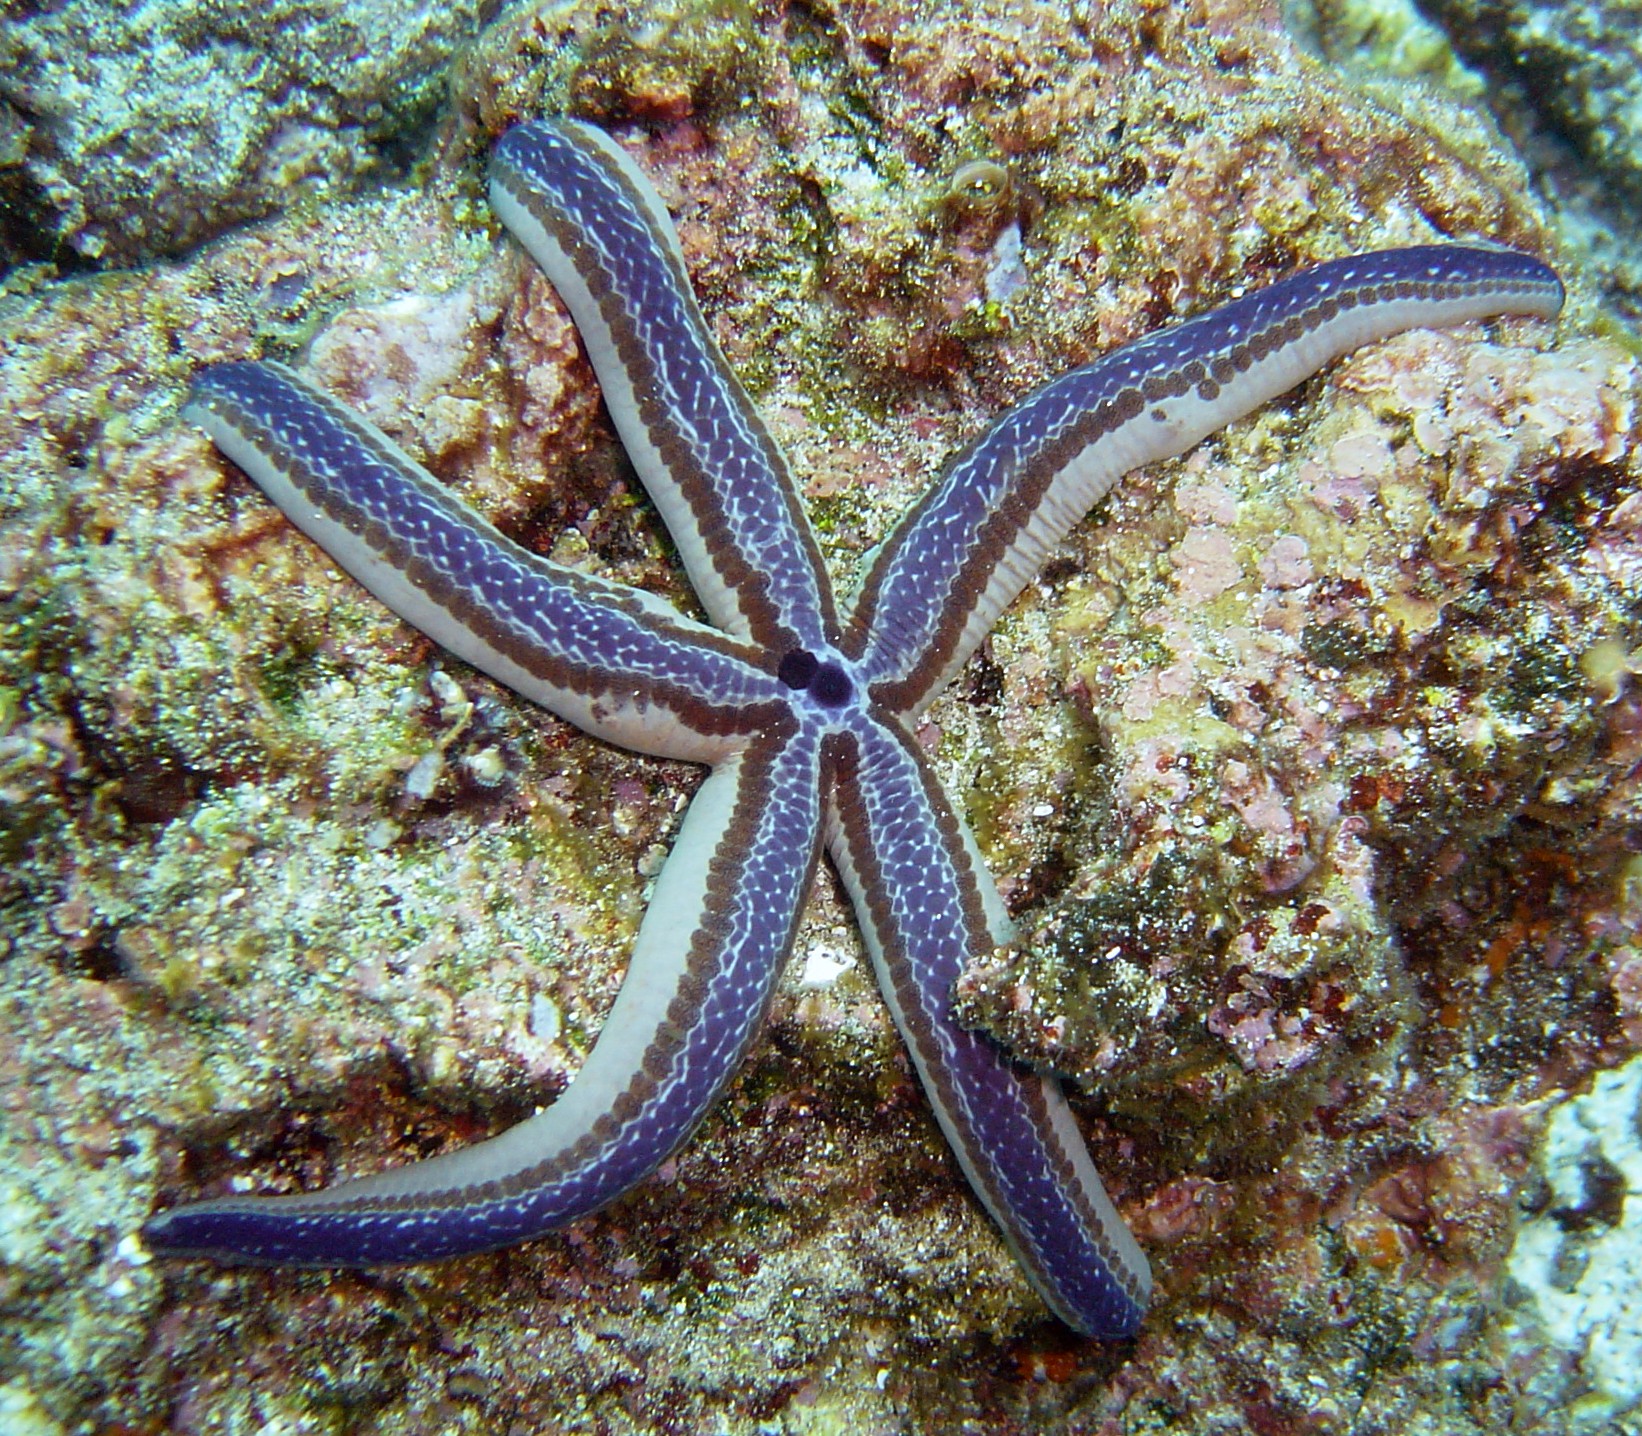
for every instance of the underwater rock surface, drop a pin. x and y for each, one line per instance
(1576, 67)
(132, 131)
(1308, 766)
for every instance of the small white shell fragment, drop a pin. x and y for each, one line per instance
(823, 966)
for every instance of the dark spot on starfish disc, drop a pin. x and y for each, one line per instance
(827, 683)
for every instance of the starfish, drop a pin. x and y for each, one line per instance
(803, 708)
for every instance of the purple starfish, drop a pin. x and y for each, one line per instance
(803, 710)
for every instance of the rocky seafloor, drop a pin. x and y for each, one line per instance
(1309, 766)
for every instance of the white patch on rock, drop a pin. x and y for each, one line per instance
(823, 966)
(1579, 1260)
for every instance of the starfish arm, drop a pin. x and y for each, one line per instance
(979, 535)
(618, 662)
(925, 904)
(587, 215)
(719, 928)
